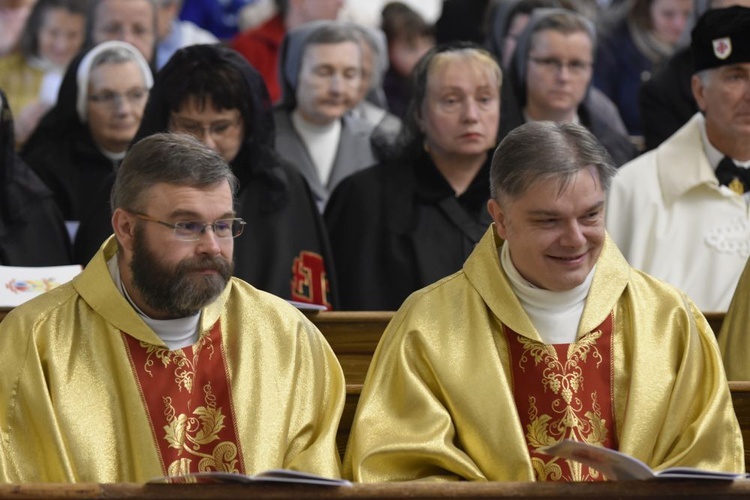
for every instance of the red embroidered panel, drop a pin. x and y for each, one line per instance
(564, 391)
(310, 280)
(187, 396)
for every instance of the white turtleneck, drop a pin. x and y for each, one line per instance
(322, 142)
(555, 315)
(176, 333)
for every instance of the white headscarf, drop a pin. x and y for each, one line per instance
(84, 70)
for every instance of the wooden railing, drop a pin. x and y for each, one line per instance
(623, 490)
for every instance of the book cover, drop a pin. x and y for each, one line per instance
(285, 476)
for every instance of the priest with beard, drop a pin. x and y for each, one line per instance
(155, 361)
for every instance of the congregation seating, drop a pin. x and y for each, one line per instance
(353, 336)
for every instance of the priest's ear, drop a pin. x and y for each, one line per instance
(499, 217)
(123, 224)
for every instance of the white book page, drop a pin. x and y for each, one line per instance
(617, 466)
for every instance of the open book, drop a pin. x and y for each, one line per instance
(19, 284)
(273, 476)
(617, 466)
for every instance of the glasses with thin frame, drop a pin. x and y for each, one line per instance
(218, 130)
(114, 100)
(192, 230)
(554, 65)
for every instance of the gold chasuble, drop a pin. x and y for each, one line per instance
(90, 393)
(462, 386)
(734, 337)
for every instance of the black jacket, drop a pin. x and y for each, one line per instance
(32, 232)
(398, 226)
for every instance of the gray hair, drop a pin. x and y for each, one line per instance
(295, 45)
(111, 52)
(176, 159)
(541, 150)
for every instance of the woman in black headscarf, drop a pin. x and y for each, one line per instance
(32, 232)
(212, 92)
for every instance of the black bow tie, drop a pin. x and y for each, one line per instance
(736, 178)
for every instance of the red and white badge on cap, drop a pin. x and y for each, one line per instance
(722, 47)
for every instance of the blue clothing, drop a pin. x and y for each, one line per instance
(182, 34)
(217, 16)
(619, 71)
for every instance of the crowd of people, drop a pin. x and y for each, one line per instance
(546, 191)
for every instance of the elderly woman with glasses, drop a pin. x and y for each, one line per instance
(84, 137)
(550, 79)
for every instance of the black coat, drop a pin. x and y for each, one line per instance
(64, 155)
(666, 100)
(34, 235)
(32, 232)
(397, 227)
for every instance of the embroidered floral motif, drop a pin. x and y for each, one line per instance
(550, 388)
(184, 368)
(187, 396)
(192, 433)
(565, 380)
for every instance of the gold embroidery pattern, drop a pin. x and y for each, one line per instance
(191, 433)
(565, 380)
(184, 368)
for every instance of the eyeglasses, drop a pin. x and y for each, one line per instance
(113, 100)
(551, 64)
(218, 130)
(192, 230)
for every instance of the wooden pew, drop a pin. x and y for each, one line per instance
(741, 402)
(623, 490)
(353, 336)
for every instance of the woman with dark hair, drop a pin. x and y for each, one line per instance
(633, 45)
(212, 93)
(31, 75)
(32, 232)
(414, 218)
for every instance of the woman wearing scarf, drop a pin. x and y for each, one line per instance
(550, 79)
(82, 140)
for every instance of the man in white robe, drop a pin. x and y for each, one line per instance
(680, 212)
